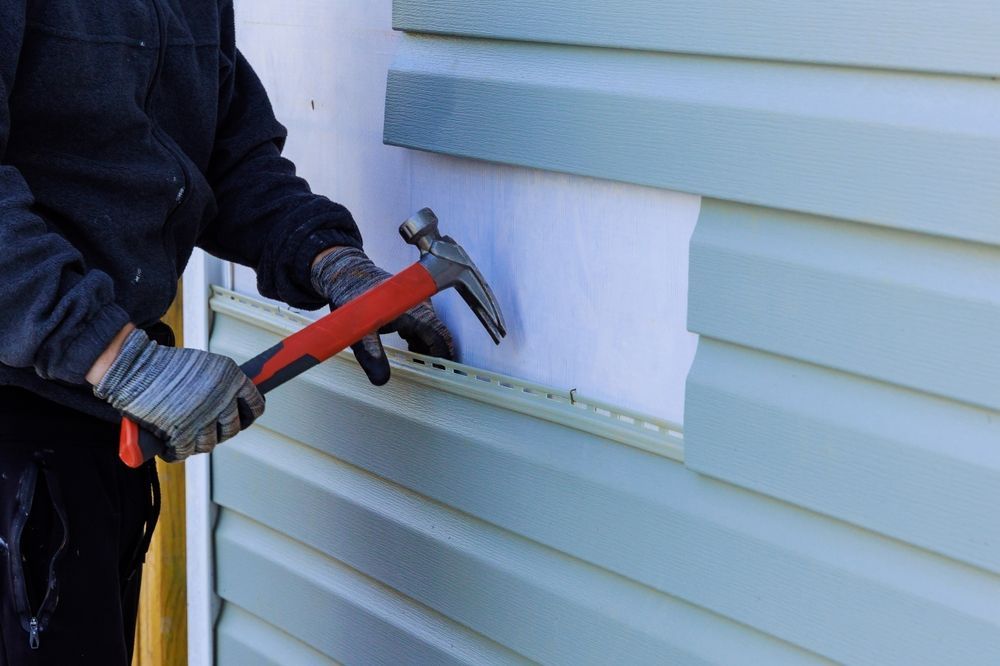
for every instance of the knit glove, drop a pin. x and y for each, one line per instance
(192, 399)
(347, 272)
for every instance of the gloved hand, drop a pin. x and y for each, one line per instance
(193, 399)
(347, 272)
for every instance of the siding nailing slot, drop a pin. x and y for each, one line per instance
(605, 420)
(663, 439)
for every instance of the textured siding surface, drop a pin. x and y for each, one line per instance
(906, 34)
(866, 145)
(842, 421)
(423, 523)
(246, 639)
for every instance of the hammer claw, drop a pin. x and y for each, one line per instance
(480, 299)
(450, 266)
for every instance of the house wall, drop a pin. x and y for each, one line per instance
(831, 499)
(843, 272)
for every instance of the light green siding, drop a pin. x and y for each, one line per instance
(865, 145)
(902, 463)
(956, 37)
(904, 308)
(334, 609)
(843, 412)
(415, 524)
(246, 639)
(412, 524)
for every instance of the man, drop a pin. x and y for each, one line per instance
(132, 131)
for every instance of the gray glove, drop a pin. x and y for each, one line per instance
(193, 399)
(346, 273)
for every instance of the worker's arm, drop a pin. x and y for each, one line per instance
(268, 218)
(108, 356)
(192, 399)
(58, 316)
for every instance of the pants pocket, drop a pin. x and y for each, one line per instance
(39, 535)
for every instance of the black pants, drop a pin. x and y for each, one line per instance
(75, 524)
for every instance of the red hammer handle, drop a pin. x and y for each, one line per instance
(306, 348)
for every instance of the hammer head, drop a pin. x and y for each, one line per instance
(450, 266)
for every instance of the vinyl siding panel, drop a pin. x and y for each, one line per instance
(914, 454)
(245, 640)
(332, 607)
(904, 308)
(532, 599)
(902, 463)
(899, 34)
(512, 525)
(910, 152)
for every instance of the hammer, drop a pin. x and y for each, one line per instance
(443, 263)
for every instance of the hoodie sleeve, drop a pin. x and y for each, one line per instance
(57, 316)
(268, 218)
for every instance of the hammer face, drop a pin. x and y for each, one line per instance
(421, 229)
(450, 266)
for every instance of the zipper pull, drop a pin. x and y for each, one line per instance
(33, 633)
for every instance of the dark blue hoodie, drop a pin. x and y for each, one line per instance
(132, 131)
